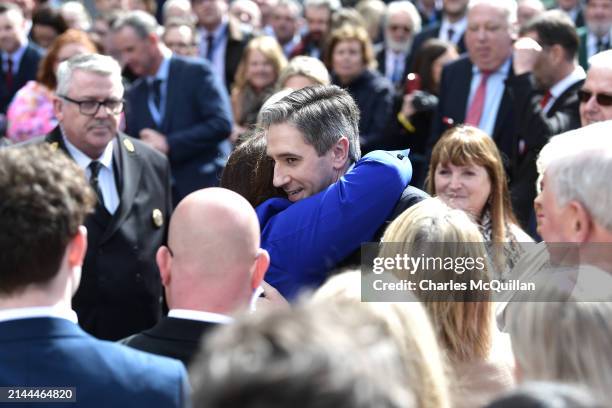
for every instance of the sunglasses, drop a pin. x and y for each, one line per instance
(602, 99)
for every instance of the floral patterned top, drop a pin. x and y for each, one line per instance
(30, 114)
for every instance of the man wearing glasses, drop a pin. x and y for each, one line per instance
(596, 93)
(120, 292)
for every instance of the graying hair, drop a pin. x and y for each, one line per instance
(140, 21)
(508, 7)
(291, 4)
(579, 164)
(601, 60)
(331, 5)
(406, 7)
(323, 114)
(94, 63)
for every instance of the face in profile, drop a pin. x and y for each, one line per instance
(549, 215)
(596, 96)
(465, 187)
(298, 168)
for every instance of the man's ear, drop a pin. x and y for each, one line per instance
(340, 153)
(164, 263)
(77, 248)
(57, 108)
(262, 261)
(558, 53)
(580, 223)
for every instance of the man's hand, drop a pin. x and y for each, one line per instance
(271, 298)
(154, 139)
(407, 106)
(526, 52)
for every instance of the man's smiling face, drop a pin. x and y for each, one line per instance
(298, 168)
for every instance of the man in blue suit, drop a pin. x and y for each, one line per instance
(20, 58)
(177, 106)
(45, 198)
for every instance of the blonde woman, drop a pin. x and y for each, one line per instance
(407, 323)
(261, 63)
(463, 318)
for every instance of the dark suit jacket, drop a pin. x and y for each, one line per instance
(54, 352)
(454, 94)
(27, 72)
(197, 118)
(237, 39)
(426, 33)
(171, 337)
(534, 129)
(120, 292)
(381, 58)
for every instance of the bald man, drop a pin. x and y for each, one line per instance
(210, 270)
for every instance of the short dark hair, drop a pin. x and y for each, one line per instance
(48, 16)
(322, 113)
(554, 27)
(325, 356)
(45, 198)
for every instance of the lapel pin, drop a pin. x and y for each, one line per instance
(129, 146)
(158, 218)
(54, 146)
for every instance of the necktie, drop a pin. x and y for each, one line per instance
(9, 74)
(156, 92)
(450, 34)
(601, 45)
(209, 47)
(398, 69)
(94, 168)
(477, 106)
(545, 99)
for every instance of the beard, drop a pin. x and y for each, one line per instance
(399, 46)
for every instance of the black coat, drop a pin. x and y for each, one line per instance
(171, 337)
(27, 72)
(121, 292)
(373, 94)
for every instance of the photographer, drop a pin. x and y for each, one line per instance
(411, 123)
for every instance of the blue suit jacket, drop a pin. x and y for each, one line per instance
(54, 352)
(27, 72)
(307, 239)
(197, 117)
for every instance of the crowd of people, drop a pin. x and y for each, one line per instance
(188, 189)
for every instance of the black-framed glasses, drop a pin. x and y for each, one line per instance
(90, 108)
(602, 99)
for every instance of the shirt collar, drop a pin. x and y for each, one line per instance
(41, 311)
(457, 26)
(504, 69)
(106, 159)
(576, 75)
(15, 56)
(219, 31)
(164, 68)
(200, 316)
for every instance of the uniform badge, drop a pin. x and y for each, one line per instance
(158, 218)
(54, 146)
(129, 146)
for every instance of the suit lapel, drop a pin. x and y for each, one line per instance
(130, 166)
(505, 109)
(170, 96)
(562, 99)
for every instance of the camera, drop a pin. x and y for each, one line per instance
(424, 101)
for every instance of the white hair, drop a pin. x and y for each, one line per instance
(601, 60)
(406, 7)
(579, 164)
(95, 63)
(508, 7)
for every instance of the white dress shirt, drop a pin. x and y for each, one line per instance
(199, 316)
(34, 312)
